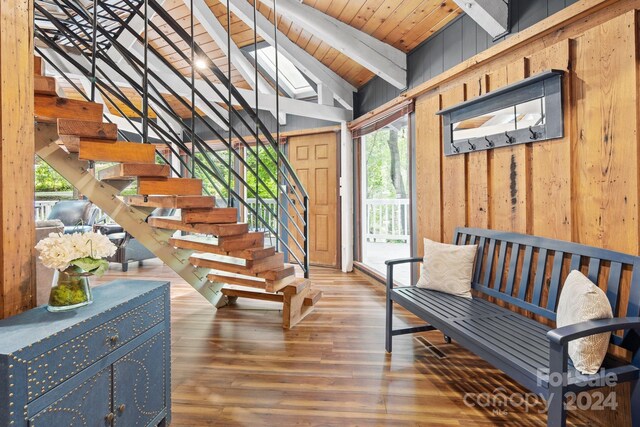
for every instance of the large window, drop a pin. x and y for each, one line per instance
(384, 214)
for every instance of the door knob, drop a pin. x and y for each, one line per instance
(110, 417)
(121, 408)
(113, 339)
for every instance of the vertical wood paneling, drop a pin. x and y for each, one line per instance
(428, 170)
(478, 188)
(605, 160)
(17, 228)
(454, 175)
(551, 160)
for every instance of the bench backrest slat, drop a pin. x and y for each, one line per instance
(540, 267)
(594, 270)
(489, 262)
(479, 260)
(575, 262)
(554, 284)
(500, 268)
(513, 267)
(541, 270)
(525, 275)
(615, 274)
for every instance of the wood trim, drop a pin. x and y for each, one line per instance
(379, 121)
(283, 136)
(554, 23)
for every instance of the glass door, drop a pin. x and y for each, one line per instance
(385, 207)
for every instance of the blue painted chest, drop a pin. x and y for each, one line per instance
(107, 364)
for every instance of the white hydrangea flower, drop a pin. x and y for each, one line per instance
(59, 250)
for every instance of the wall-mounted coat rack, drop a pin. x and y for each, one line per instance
(527, 111)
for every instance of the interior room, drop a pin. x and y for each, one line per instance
(319, 213)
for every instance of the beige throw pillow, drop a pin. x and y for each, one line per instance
(447, 268)
(581, 300)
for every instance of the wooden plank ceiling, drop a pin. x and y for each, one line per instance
(403, 24)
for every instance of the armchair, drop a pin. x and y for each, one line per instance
(128, 248)
(76, 215)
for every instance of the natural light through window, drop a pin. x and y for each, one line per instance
(290, 77)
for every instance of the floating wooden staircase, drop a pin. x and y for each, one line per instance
(218, 255)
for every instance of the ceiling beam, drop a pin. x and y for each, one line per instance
(304, 61)
(491, 15)
(378, 57)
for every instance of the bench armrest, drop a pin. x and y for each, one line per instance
(563, 335)
(390, 263)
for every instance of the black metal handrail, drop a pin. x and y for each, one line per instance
(78, 34)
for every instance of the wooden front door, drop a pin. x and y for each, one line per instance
(315, 160)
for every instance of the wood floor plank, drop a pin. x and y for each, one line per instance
(237, 367)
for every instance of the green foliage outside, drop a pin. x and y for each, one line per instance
(265, 182)
(386, 171)
(48, 180)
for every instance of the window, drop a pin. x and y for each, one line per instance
(290, 78)
(385, 206)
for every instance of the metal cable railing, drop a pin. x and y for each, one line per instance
(83, 40)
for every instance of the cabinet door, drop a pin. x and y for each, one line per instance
(139, 383)
(85, 406)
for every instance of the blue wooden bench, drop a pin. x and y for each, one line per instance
(527, 272)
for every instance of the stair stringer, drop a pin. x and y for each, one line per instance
(131, 219)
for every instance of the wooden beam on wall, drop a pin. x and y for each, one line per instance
(17, 223)
(491, 15)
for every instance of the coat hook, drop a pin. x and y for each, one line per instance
(456, 149)
(473, 147)
(534, 134)
(510, 139)
(489, 142)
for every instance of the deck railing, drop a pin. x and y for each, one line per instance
(387, 220)
(43, 208)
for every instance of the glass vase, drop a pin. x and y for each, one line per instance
(70, 289)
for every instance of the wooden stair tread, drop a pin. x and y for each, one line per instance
(278, 273)
(170, 186)
(220, 230)
(211, 216)
(128, 171)
(312, 298)
(222, 245)
(45, 86)
(251, 281)
(248, 267)
(38, 65)
(88, 129)
(172, 202)
(264, 296)
(125, 152)
(238, 280)
(64, 108)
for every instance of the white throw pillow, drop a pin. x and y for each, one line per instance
(448, 268)
(581, 300)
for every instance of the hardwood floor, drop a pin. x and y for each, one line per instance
(238, 367)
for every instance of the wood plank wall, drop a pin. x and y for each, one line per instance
(17, 228)
(583, 187)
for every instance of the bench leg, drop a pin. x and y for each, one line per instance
(388, 325)
(558, 359)
(635, 403)
(557, 416)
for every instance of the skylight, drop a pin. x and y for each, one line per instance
(290, 78)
